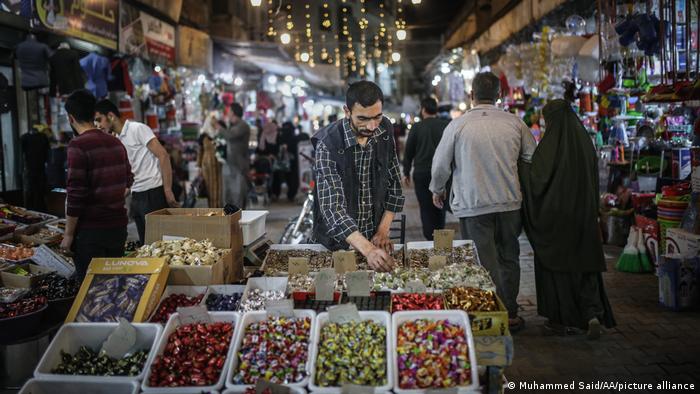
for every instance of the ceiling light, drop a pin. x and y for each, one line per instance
(255, 3)
(285, 38)
(304, 57)
(288, 78)
(157, 69)
(435, 82)
(238, 81)
(401, 34)
(396, 56)
(416, 119)
(416, 2)
(272, 79)
(462, 106)
(437, 78)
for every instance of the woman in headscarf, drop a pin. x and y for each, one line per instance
(560, 214)
(207, 161)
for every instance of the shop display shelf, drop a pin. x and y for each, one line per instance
(173, 324)
(72, 336)
(453, 316)
(383, 318)
(253, 225)
(52, 386)
(253, 317)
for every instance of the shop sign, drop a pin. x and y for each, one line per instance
(170, 8)
(94, 21)
(194, 48)
(145, 36)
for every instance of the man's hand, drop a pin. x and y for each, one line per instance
(67, 243)
(406, 180)
(170, 199)
(381, 240)
(127, 192)
(438, 200)
(380, 261)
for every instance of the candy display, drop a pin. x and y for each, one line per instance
(169, 305)
(256, 299)
(276, 350)
(111, 297)
(223, 302)
(87, 361)
(432, 354)
(195, 355)
(301, 282)
(470, 299)
(185, 252)
(22, 307)
(353, 353)
(377, 301)
(55, 287)
(15, 253)
(6, 227)
(20, 215)
(11, 294)
(416, 301)
(277, 261)
(43, 236)
(450, 276)
(362, 264)
(418, 258)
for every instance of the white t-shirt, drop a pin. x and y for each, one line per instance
(135, 137)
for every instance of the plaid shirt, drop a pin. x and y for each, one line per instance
(330, 187)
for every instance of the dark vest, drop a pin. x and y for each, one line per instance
(332, 137)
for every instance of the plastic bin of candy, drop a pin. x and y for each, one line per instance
(191, 292)
(381, 318)
(264, 284)
(220, 297)
(172, 326)
(72, 336)
(455, 317)
(254, 317)
(461, 248)
(52, 386)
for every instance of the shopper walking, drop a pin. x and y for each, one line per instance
(208, 163)
(358, 186)
(289, 141)
(150, 162)
(485, 144)
(237, 135)
(99, 176)
(422, 141)
(560, 189)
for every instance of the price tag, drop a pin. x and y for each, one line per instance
(121, 340)
(437, 262)
(358, 283)
(356, 389)
(443, 239)
(344, 261)
(280, 308)
(193, 314)
(416, 286)
(325, 284)
(344, 313)
(263, 385)
(298, 265)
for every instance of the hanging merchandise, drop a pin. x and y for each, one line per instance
(120, 81)
(66, 73)
(138, 71)
(33, 57)
(126, 110)
(97, 69)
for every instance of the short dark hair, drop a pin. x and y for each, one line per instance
(486, 86)
(429, 105)
(81, 105)
(365, 93)
(105, 107)
(237, 110)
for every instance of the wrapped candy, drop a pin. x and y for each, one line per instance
(416, 302)
(470, 299)
(111, 297)
(185, 252)
(256, 299)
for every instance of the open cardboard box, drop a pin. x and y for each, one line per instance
(202, 275)
(13, 280)
(201, 223)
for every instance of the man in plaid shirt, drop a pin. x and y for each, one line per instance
(358, 186)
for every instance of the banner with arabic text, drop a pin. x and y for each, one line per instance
(146, 36)
(89, 20)
(194, 48)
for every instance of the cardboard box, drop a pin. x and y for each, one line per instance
(490, 323)
(13, 280)
(202, 275)
(223, 231)
(679, 281)
(496, 351)
(682, 242)
(155, 268)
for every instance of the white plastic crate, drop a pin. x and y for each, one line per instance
(267, 283)
(53, 386)
(453, 316)
(72, 336)
(252, 225)
(173, 324)
(383, 318)
(253, 317)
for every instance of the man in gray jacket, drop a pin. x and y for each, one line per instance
(483, 147)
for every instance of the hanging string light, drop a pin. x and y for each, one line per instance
(326, 24)
(364, 24)
(400, 22)
(297, 48)
(345, 33)
(270, 20)
(286, 37)
(351, 53)
(309, 37)
(337, 51)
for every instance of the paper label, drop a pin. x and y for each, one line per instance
(298, 265)
(263, 385)
(193, 314)
(344, 313)
(121, 340)
(416, 286)
(443, 239)
(437, 262)
(358, 283)
(344, 261)
(356, 389)
(280, 308)
(325, 284)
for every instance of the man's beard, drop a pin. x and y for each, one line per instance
(361, 132)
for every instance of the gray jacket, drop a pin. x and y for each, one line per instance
(482, 147)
